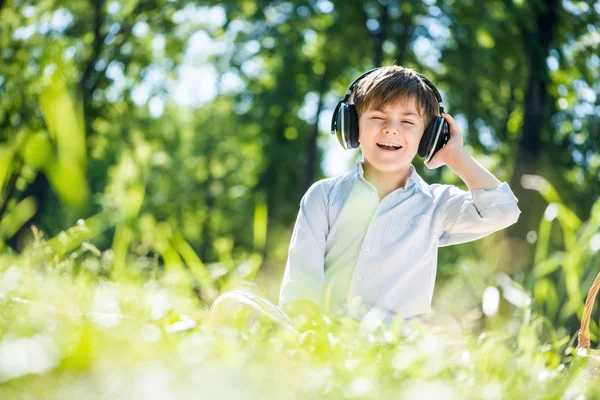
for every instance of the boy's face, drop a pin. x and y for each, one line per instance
(397, 123)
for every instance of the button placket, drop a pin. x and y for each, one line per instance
(357, 278)
(367, 248)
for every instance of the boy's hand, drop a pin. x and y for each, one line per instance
(453, 149)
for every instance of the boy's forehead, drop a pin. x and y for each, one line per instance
(404, 105)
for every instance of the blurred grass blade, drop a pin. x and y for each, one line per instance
(134, 199)
(6, 157)
(247, 271)
(69, 182)
(63, 122)
(590, 228)
(17, 217)
(254, 263)
(224, 247)
(192, 260)
(541, 248)
(569, 223)
(545, 293)
(541, 185)
(175, 273)
(120, 245)
(549, 265)
(260, 227)
(37, 151)
(73, 237)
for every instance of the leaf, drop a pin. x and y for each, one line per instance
(72, 238)
(69, 182)
(6, 157)
(64, 121)
(192, 260)
(549, 265)
(17, 217)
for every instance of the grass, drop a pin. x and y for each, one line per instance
(77, 335)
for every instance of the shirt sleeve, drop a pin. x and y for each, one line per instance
(469, 216)
(304, 276)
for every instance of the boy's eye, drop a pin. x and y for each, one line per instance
(377, 117)
(409, 122)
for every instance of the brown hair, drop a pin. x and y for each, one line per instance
(390, 84)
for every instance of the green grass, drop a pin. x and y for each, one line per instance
(68, 333)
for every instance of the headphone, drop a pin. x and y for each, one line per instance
(344, 123)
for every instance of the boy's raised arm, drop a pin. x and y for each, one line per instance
(469, 216)
(488, 206)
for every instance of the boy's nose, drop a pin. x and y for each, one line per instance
(391, 128)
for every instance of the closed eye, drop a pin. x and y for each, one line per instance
(377, 117)
(409, 122)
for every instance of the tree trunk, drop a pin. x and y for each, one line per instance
(85, 82)
(405, 38)
(271, 177)
(380, 35)
(503, 134)
(537, 43)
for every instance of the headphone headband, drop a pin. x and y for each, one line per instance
(437, 94)
(344, 123)
(347, 96)
(426, 81)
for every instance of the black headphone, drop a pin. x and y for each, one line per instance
(344, 123)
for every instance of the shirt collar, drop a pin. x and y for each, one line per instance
(413, 177)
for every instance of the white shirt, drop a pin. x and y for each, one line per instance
(353, 255)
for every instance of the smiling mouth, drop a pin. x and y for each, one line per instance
(389, 146)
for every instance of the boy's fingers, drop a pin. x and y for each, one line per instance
(451, 122)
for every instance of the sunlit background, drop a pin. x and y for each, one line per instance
(153, 155)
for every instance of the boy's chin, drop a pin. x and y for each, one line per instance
(388, 168)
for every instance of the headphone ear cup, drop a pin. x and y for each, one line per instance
(347, 126)
(434, 138)
(427, 139)
(353, 128)
(341, 122)
(442, 138)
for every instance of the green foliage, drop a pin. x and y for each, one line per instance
(117, 337)
(572, 265)
(125, 209)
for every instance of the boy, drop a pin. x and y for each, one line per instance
(365, 243)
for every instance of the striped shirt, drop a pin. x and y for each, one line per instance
(351, 254)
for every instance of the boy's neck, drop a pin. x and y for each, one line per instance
(385, 182)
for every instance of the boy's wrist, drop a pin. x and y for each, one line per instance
(459, 160)
(473, 174)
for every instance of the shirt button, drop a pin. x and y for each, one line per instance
(358, 278)
(367, 248)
